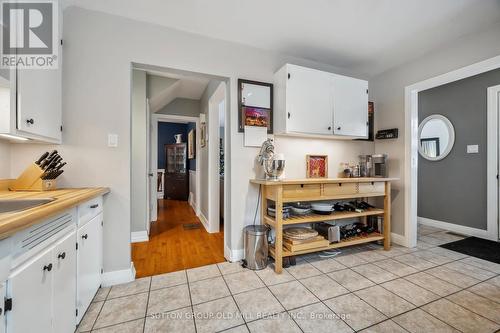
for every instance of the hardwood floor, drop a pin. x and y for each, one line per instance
(173, 248)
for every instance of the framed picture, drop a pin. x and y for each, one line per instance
(191, 144)
(203, 134)
(317, 166)
(255, 105)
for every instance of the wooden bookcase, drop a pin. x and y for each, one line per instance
(293, 190)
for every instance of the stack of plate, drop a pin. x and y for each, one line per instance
(323, 208)
(271, 211)
(301, 209)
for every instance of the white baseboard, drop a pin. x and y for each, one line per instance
(192, 200)
(233, 255)
(459, 229)
(398, 239)
(204, 221)
(139, 236)
(118, 277)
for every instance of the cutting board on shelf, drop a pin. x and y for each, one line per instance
(316, 242)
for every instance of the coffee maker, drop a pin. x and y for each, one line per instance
(379, 163)
(373, 165)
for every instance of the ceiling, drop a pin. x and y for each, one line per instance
(164, 87)
(366, 36)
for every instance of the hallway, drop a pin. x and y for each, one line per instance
(172, 247)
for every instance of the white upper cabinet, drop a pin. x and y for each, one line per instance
(310, 102)
(350, 106)
(31, 99)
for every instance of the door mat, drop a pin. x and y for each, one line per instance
(476, 247)
(190, 226)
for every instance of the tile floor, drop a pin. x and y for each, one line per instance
(365, 289)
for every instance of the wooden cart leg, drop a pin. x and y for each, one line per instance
(278, 244)
(387, 216)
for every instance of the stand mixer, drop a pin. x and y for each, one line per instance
(273, 164)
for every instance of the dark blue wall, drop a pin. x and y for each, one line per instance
(192, 163)
(166, 132)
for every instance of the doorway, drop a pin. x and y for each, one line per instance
(186, 135)
(490, 221)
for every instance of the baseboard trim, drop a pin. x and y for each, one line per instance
(459, 229)
(233, 255)
(139, 236)
(204, 221)
(399, 239)
(118, 277)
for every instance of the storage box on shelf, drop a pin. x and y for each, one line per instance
(286, 191)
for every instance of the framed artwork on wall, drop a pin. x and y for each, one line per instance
(317, 166)
(191, 144)
(255, 105)
(203, 135)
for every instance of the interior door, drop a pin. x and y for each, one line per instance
(309, 101)
(350, 106)
(89, 262)
(31, 287)
(65, 284)
(151, 177)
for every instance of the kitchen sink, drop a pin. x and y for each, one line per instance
(14, 205)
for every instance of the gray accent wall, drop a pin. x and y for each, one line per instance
(453, 190)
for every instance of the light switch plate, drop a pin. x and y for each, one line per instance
(113, 140)
(472, 149)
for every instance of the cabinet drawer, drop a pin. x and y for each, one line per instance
(300, 192)
(339, 189)
(376, 187)
(88, 210)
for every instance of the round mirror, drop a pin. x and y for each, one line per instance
(436, 137)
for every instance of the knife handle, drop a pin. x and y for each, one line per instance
(44, 156)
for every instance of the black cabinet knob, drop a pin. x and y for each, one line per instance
(61, 255)
(47, 267)
(30, 121)
(329, 128)
(94, 206)
(339, 128)
(85, 236)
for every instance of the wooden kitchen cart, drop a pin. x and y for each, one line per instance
(315, 189)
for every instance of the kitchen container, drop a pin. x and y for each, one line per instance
(379, 165)
(365, 165)
(256, 246)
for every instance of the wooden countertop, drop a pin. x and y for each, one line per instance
(320, 181)
(13, 222)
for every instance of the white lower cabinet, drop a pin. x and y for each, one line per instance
(89, 238)
(55, 273)
(36, 293)
(64, 285)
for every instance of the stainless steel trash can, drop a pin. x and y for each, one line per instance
(256, 247)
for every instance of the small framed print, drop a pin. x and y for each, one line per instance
(317, 166)
(191, 145)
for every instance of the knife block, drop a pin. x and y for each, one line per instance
(30, 180)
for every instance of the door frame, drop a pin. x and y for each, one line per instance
(164, 118)
(411, 149)
(218, 97)
(493, 160)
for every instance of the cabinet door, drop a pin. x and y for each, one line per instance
(65, 284)
(30, 287)
(350, 106)
(39, 102)
(309, 101)
(89, 263)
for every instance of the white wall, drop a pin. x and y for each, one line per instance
(4, 159)
(98, 53)
(204, 192)
(387, 91)
(139, 170)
